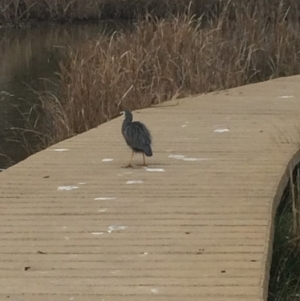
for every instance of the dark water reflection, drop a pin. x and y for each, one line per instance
(27, 56)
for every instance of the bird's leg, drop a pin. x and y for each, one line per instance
(144, 161)
(129, 164)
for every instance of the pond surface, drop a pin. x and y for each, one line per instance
(28, 56)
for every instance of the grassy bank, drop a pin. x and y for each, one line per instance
(163, 59)
(77, 10)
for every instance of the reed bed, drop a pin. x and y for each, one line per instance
(163, 59)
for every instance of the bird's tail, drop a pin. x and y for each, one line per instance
(147, 150)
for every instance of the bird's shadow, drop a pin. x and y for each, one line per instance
(140, 166)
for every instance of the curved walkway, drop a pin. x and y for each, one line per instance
(196, 225)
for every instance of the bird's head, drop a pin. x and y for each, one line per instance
(127, 114)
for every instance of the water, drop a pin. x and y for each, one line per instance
(28, 56)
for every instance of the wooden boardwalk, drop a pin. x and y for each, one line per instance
(195, 226)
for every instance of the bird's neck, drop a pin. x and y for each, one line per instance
(126, 122)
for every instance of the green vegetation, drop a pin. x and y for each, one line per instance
(284, 282)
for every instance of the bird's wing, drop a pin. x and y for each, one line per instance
(137, 135)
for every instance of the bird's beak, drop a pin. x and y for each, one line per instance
(122, 113)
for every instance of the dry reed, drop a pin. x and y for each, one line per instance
(180, 56)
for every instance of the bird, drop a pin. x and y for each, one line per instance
(137, 137)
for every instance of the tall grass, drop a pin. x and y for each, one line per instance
(161, 59)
